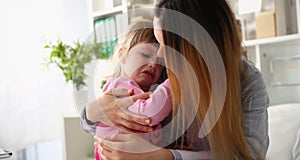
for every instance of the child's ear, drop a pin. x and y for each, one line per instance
(122, 54)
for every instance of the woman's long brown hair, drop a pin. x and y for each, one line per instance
(227, 138)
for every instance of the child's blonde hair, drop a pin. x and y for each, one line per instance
(138, 32)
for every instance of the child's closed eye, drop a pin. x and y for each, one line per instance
(146, 55)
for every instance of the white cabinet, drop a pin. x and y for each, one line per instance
(77, 144)
(278, 58)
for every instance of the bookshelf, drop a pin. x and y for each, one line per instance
(108, 12)
(277, 56)
(107, 20)
(119, 10)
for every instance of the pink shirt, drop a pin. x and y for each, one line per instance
(157, 107)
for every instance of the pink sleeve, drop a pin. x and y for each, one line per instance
(107, 85)
(125, 83)
(158, 106)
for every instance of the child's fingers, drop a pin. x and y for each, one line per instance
(119, 92)
(145, 95)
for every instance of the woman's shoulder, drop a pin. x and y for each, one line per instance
(249, 68)
(251, 74)
(253, 89)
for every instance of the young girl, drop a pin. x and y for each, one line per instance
(141, 70)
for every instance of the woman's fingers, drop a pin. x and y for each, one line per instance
(131, 126)
(124, 146)
(130, 143)
(130, 116)
(104, 154)
(124, 102)
(109, 145)
(100, 150)
(96, 143)
(135, 122)
(111, 142)
(129, 122)
(115, 110)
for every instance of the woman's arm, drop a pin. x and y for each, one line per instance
(110, 112)
(187, 155)
(133, 147)
(255, 102)
(86, 125)
(130, 147)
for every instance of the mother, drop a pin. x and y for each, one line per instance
(241, 131)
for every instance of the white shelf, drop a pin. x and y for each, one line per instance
(263, 41)
(106, 12)
(77, 145)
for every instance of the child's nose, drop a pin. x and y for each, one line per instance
(152, 64)
(156, 62)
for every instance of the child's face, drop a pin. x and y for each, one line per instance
(141, 65)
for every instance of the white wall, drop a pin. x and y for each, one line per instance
(32, 98)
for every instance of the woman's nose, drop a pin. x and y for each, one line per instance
(160, 52)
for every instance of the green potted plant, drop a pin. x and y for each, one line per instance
(71, 59)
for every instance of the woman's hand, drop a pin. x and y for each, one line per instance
(112, 110)
(129, 147)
